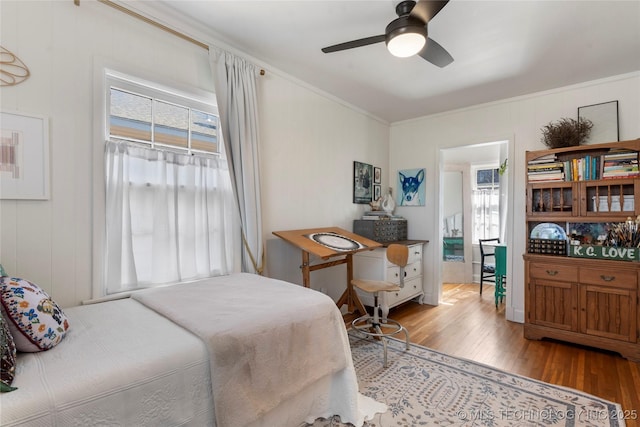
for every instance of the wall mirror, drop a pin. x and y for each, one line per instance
(453, 235)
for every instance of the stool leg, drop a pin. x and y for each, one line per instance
(376, 310)
(384, 345)
(406, 337)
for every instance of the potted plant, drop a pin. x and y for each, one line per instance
(566, 132)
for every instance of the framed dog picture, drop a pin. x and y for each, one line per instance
(411, 187)
(362, 182)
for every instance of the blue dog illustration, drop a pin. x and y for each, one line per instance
(410, 185)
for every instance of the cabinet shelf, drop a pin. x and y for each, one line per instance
(591, 302)
(597, 200)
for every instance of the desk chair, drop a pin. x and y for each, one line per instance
(375, 325)
(487, 269)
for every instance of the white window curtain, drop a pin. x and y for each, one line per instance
(169, 217)
(486, 213)
(235, 85)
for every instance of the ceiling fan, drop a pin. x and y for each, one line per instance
(407, 35)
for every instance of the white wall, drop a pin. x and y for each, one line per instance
(308, 147)
(309, 140)
(417, 143)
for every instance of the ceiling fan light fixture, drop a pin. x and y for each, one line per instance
(407, 44)
(405, 36)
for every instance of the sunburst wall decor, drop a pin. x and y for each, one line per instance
(12, 69)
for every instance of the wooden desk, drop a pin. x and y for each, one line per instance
(353, 243)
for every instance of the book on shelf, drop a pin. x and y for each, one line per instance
(621, 155)
(621, 174)
(383, 217)
(544, 166)
(620, 168)
(547, 158)
(544, 178)
(620, 164)
(375, 215)
(546, 172)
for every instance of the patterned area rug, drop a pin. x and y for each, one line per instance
(423, 387)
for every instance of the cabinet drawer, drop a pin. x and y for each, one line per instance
(411, 289)
(410, 271)
(415, 254)
(563, 273)
(614, 278)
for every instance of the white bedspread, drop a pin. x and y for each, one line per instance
(120, 364)
(268, 340)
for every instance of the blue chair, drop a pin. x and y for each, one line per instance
(501, 273)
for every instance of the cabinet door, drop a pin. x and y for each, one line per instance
(554, 304)
(552, 199)
(612, 197)
(608, 312)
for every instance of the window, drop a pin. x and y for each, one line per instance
(487, 178)
(169, 208)
(140, 118)
(486, 204)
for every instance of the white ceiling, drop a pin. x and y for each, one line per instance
(501, 49)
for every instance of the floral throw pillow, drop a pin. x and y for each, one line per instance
(36, 322)
(7, 357)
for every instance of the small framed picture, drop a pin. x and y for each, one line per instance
(377, 192)
(24, 156)
(362, 182)
(377, 176)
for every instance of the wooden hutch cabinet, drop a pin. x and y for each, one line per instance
(588, 301)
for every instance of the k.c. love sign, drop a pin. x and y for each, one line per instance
(604, 252)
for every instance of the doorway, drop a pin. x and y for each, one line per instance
(465, 206)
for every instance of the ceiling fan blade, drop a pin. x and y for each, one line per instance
(435, 54)
(354, 43)
(425, 10)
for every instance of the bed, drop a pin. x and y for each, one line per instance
(235, 350)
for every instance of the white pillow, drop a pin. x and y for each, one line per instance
(36, 322)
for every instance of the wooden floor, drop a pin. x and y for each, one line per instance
(469, 326)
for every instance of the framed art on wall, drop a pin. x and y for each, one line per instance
(377, 176)
(24, 156)
(362, 182)
(605, 121)
(377, 192)
(411, 187)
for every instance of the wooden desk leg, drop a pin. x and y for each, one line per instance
(349, 296)
(306, 280)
